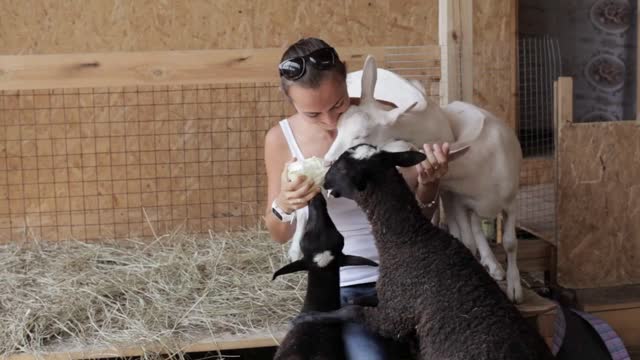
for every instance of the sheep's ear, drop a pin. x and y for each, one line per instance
(369, 78)
(406, 158)
(392, 115)
(290, 268)
(350, 260)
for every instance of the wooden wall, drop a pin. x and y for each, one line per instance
(598, 199)
(90, 162)
(495, 57)
(52, 26)
(75, 159)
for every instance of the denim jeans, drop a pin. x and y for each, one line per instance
(360, 343)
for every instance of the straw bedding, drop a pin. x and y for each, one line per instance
(136, 292)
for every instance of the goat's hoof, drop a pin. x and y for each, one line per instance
(514, 292)
(494, 269)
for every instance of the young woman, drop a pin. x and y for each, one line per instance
(314, 79)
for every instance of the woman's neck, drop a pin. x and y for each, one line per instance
(313, 140)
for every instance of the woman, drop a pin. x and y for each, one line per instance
(314, 79)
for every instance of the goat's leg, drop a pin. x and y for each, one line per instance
(487, 258)
(510, 244)
(452, 224)
(463, 222)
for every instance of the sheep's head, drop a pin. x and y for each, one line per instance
(361, 164)
(367, 122)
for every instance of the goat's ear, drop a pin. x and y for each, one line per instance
(392, 115)
(457, 150)
(406, 158)
(369, 78)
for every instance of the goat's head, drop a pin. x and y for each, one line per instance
(360, 164)
(366, 122)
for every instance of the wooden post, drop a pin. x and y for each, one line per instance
(456, 41)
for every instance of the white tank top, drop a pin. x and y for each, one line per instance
(351, 222)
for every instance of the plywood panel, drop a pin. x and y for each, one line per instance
(598, 200)
(47, 27)
(495, 57)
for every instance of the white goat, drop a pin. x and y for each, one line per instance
(480, 184)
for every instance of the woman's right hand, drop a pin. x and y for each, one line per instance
(295, 194)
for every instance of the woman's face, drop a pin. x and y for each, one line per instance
(323, 105)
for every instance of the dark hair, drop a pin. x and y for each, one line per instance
(312, 76)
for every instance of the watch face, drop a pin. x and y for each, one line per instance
(276, 213)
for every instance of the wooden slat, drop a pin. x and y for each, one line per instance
(152, 68)
(456, 41)
(533, 255)
(208, 344)
(609, 298)
(466, 61)
(450, 42)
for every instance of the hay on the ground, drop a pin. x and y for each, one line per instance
(138, 292)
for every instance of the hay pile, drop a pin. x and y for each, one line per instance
(136, 292)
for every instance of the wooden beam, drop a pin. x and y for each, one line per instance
(466, 61)
(608, 298)
(450, 31)
(152, 68)
(456, 43)
(564, 101)
(207, 344)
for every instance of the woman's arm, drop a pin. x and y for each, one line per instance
(289, 195)
(424, 179)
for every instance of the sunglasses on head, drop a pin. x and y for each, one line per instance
(295, 68)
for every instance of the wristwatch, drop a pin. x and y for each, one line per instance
(281, 214)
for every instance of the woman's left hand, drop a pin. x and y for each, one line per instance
(436, 164)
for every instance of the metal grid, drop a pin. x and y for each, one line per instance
(416, 63)
(118, 162)
(539, 66)
(93, 163)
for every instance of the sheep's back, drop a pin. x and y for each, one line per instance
(457, 308)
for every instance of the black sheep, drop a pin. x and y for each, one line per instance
(321, 247)
(430, 285)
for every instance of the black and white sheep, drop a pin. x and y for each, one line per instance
(321, 247)
(430, 285)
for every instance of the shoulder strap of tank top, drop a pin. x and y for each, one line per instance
(291, 140)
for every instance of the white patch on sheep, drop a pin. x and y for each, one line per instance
(323, 259)
(364, 152)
